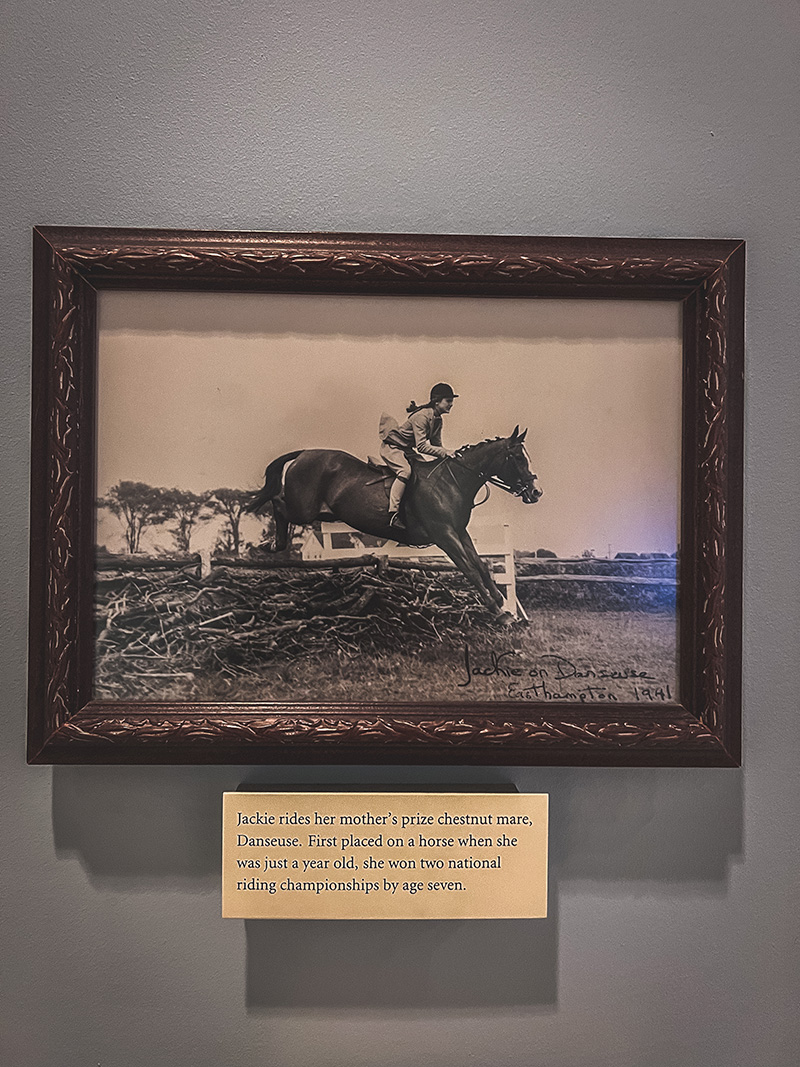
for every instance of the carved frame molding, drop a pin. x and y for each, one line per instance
(72, 265)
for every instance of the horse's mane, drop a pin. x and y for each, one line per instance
(465, 449)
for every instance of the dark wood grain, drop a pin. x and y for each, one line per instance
(70, 265)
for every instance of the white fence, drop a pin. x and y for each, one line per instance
(494, 544)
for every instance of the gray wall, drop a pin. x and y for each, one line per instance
(672, 939)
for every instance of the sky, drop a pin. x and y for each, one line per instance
(199, 390)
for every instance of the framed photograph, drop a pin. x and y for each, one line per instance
(351, 498)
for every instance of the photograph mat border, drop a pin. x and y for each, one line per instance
(65, 725)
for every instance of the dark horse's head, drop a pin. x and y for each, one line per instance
(513, 468)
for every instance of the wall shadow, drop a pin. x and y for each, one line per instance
(438, 963)
(141, 826)
(664, 831)
(665, 828)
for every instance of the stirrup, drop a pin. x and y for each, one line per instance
(395, 520)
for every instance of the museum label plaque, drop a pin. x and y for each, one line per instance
(384, 855)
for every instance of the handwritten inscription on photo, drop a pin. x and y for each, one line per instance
(555, 677)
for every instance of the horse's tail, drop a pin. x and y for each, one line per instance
(273, 482)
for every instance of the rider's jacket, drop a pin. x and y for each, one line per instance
(421, 431)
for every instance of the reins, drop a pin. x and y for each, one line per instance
(477, 503)
(485, 478)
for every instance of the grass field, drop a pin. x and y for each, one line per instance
(560, 655)
(358, 635)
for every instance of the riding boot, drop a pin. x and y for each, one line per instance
(395, 496)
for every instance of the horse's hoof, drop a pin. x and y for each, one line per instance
(505, 618)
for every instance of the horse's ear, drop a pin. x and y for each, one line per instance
(522, 436)
(515, 434)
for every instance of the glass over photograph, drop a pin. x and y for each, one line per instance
(320, 498)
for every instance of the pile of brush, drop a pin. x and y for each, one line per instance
(153, 626)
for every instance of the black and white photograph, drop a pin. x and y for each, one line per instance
(320, 497)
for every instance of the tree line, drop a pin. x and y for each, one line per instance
(139, 506)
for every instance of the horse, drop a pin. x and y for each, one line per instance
(330, 485)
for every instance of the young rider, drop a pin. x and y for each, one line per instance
(422, 432)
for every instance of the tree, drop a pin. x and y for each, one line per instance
(231, 504)
(137, 505)
(185, 508)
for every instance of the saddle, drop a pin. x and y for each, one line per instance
(384, 471)
(419, 464)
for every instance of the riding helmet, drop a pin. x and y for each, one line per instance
(442, 390)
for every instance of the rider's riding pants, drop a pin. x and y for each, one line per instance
(398, 461)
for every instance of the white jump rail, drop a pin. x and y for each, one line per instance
(493, 542)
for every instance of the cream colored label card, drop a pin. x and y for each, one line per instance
(384, 856)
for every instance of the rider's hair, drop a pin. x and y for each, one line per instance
(414, 406)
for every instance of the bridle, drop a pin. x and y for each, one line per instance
(493, 479)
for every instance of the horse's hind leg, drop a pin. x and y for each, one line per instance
(282, 527)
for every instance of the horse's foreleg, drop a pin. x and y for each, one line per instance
(470, 564)
(491, 585)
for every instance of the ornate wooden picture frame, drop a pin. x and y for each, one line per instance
(72, 719)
